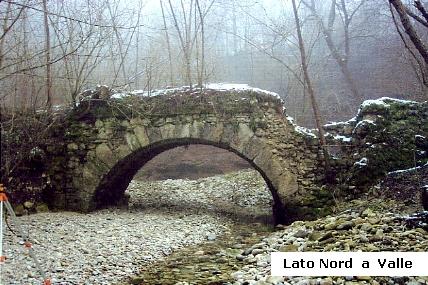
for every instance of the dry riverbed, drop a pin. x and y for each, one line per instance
(108, 246)
(209, 231)
(244, 258)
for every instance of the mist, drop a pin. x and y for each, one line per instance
(356, 50)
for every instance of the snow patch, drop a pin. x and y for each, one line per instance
(222, 87)
(378, 102)
(238, 87)
(342, 138)
(304, 131)
(299, 129)
(155, 92)
(381, 102)
(362, 162)
(349, 122)
(291, 120)
(408, 169)
(334, 124)
(364, 122)
(120, 95)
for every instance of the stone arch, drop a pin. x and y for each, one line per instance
(110, 167)
(113, 185)
(106, 142)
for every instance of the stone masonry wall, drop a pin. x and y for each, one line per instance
(386, 135)
(107, 141)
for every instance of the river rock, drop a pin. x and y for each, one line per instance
(370, 231)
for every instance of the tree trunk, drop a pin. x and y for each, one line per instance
(48, 58)
(311, 92)
(341, 59)
(202, 72)
(410, 30)
(4, 32)
(171, 81)
(184, 40)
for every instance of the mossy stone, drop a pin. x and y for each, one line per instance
(42, 208)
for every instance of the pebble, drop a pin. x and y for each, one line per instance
(211, 237)
(368, 231)
(345, 226)
(108, 246)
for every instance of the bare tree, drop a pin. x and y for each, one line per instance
(201, 15)
(48, 57)
(7, 27)
(310, 89)
(103, 42)
(340, 55)
(171, 80)
(184, 35)
(189, 24)
(405, 14)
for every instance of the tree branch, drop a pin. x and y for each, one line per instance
(412, 53)
(41, 65)
(410, 30)
(422, 9)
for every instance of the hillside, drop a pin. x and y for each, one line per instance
(191, 162)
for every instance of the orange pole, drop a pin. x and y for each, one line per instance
(3, 197)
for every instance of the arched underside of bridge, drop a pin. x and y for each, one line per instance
(113, 185)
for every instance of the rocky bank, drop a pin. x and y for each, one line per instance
(352, 230)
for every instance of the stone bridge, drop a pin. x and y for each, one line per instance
(105, 141)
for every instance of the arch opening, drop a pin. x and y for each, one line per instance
(113, 185)
(192, 162)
